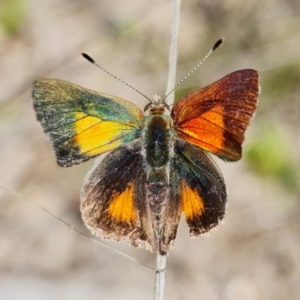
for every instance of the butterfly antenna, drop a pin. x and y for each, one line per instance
(112, 75)
(216, 45)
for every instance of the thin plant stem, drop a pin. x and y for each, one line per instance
(160, 276)
(173, 51)
(161, 259)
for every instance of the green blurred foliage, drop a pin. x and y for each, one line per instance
(12, 15)
(268, 154)
(124, 30)
(281, 82)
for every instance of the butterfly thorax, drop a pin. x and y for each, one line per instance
(156, 133)
(156, 136)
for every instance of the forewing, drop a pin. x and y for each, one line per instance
(215, 118)
(81, 123)
(201, 187)
(113, 197)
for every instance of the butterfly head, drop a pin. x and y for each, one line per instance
(157, 106)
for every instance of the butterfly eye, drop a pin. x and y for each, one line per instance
(147, 107)
(167, 106)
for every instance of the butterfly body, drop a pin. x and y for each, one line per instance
(158, 144)
(158, 167)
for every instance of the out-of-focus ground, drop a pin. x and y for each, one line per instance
(255, 254)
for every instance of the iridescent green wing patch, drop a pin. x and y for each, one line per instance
(81, 123)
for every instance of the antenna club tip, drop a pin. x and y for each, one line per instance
(217, 44)
(88, 58)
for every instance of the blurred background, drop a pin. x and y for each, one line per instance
(255, 253)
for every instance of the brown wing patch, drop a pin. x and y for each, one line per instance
(114, 195)
(201, 187)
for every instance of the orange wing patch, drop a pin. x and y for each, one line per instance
(122, 207)
(206, 131)
(95, 136)
(192, 204)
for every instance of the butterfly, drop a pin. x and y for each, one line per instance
(159, 165)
